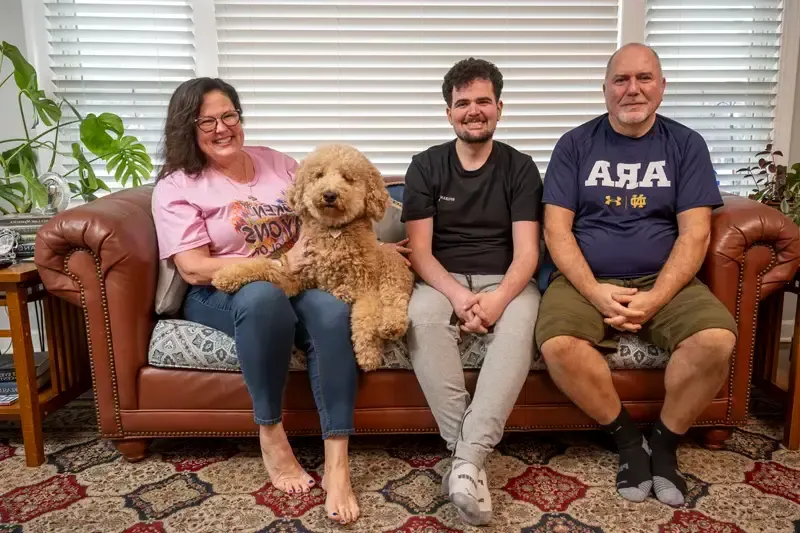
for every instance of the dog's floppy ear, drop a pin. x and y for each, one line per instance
(294, 193)
(377, 201)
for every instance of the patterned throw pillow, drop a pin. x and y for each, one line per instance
(184, 344)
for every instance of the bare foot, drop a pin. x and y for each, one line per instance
(284, 471)
(340, 501)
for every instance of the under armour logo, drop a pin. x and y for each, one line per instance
(616, 201)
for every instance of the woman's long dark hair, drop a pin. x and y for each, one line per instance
(180, 150)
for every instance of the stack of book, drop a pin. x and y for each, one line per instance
(26, 225)
(8, 376)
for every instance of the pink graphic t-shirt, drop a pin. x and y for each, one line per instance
(234, 219)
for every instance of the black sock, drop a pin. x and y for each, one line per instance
(669, 485)
(634, 480)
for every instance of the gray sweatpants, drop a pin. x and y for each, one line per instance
(471, 429)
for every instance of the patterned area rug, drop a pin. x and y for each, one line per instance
(541, 483)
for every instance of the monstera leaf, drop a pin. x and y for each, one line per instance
(25, 78)
(36, 191)
(125, 156)
(95, 132)
(24, 73)
(130, 161)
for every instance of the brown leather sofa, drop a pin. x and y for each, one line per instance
(102, 256)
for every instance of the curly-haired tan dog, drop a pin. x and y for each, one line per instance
(337, 193)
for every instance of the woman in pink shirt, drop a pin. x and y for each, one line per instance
(218, 202)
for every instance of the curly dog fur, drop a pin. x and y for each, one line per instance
(337, 194)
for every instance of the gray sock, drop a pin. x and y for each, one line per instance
(634, 480)
(668, 481)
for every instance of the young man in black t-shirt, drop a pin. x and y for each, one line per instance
(472, 209)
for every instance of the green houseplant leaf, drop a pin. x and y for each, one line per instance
(46, 109)
(36, 191)
(14, 164)
(85, 170)
(130, 161)
(94, 132)
(24, 73)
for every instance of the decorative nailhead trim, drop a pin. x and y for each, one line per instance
(375, 431)
(107, 322)
(761, 274)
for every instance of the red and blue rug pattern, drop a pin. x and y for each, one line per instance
(540, 483)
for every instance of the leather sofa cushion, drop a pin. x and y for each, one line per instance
(183, 344)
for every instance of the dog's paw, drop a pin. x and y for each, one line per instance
(392, 330)
(369, 361)
(393, 324)
(226, 283)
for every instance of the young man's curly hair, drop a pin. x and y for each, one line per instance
(468, 70)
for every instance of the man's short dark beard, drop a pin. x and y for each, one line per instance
(487, 136)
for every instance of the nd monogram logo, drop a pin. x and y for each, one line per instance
(617, 201)
(638, 201)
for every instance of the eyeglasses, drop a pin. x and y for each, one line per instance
(209, 124)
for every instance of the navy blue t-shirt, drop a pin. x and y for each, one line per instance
(626, 193)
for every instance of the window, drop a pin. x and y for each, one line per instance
(721, 60)
(369, 73)
(126, 57)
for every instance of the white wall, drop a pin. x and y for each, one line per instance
(12, 30)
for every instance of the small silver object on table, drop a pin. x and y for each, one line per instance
(9, 240)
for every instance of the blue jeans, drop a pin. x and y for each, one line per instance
(265, 324)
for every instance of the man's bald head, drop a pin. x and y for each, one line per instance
(633, 89)
(632, 48)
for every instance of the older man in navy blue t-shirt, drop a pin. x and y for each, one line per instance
(627, 222)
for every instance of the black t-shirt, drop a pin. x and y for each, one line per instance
(472, 210)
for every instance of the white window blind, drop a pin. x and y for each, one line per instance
(369, 72)
(720, 58)
(121, 56)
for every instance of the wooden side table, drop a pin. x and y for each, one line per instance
(66, 346)
(791, 429)
(767, 351)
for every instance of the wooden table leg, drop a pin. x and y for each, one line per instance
(28, 389)
(791, 429)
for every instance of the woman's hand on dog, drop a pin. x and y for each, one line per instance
(296, 256)
(402, 249)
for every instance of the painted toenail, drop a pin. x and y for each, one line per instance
(334, 514)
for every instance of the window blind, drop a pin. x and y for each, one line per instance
(369, 72)
(122, 56)
(720, 58)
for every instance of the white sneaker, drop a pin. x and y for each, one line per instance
(467, 487)
(484, 496)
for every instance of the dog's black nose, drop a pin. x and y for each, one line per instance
(329, 197)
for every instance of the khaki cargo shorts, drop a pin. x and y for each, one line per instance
(564, 311)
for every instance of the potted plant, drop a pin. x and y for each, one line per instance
(776, 185)
(101, 138)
